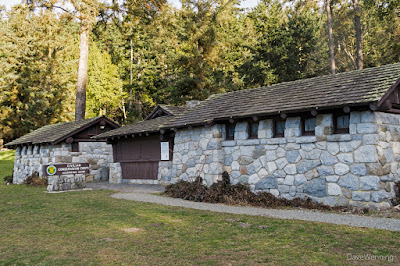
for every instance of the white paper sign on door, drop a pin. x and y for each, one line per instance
(165, 151)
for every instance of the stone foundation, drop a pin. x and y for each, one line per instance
(66, 182)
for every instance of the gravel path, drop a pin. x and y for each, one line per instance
(304, 215)
(137, 188)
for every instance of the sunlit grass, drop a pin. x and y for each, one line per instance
(6, 163)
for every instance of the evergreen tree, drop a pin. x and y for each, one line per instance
(104, 95)
(38, 65)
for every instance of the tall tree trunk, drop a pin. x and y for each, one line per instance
(123, 104)
(131, 77)
(80, 104)
(138, 96)
(330, 33)
(357, 25)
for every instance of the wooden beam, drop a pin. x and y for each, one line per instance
(140, 134)
(175, 129)
(255, 118)
(314, 112)
(209, 124)
(346, 109)
(69, 140)
(395, 105)
(387, 105)
(162, 131)
(394, 111)
(231, 120)
(283, 115)
(133, 135)
(373, 106)
(147, 133)
(126, 136)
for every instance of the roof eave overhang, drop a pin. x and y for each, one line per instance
(384, 104)
(109, 121)
(368, 104)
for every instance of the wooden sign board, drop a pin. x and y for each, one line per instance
(65, 169)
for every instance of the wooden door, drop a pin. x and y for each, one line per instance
(139, 157)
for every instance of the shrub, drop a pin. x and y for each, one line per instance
(8, 179)
(35, 180)
(239, 194)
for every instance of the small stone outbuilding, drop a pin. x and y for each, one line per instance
(69, 144)
(335, 139)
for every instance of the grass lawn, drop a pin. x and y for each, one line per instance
(6, 163)
(89, 227)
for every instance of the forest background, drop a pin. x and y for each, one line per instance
(144, 53)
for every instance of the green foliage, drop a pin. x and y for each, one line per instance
(104, 88)
(147, 52)
(38, 66)
(380, 33)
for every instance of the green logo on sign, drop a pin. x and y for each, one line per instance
(51, 170)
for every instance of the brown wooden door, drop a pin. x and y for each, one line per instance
(139, 157)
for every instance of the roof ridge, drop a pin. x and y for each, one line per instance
(307, 79)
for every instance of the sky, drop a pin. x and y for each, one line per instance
(176, 3)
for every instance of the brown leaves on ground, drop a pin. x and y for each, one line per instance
(239, 194)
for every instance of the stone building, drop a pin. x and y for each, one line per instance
(335, 139)
(68, 143)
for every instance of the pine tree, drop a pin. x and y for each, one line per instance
(38, 70)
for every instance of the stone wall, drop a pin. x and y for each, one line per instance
(357, 169)
(197, 152)
(29, 159)
(115, 176)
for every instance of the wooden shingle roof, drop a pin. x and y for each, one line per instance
(173, 110)
(354, 88)
(359, 87)
(57, 132)
(165, 110)
(145, 126)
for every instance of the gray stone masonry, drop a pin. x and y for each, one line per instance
(197, 152)
(29, 159)
(356, 169)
